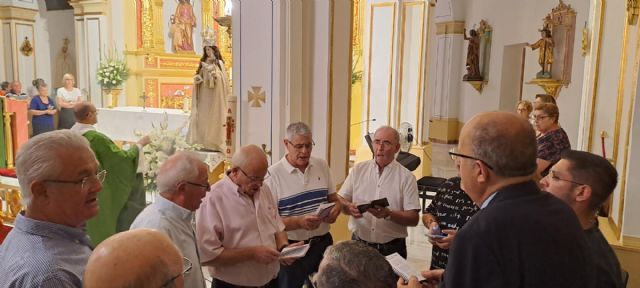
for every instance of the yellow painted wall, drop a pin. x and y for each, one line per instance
(355, 133)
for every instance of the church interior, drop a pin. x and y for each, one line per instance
(346, 68)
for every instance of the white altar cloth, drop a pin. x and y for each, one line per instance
(120, 123)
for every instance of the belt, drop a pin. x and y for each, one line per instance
(312, 239)
(381, 245)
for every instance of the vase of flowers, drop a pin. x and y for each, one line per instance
(112, 72)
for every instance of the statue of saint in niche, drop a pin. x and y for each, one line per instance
(182, 24)
(473, 56)
(545, 58)
(64, 62)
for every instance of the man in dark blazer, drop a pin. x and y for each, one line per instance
(521, 237)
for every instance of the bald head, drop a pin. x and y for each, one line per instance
(249, 169)
(250, 155)
(85, 112)
(503, 140)
(136, 258)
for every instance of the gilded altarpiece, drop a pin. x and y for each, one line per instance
(159, 76)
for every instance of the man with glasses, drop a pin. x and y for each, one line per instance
(123, 193)
(584, 181)
(238, 228)
(521, 237)
(300, 183)
(141, 258)
(182, 183)
(59, 182)
(383, 228)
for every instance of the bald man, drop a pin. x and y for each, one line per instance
(521, 237)
(123, 193)
(142, 258)
(238, 228)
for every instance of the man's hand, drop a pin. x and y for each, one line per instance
(144, 140)
(289, 260)
(434, 277)
(265, 255)
(333, 215)
(379, 212)
(413, 283)
(445, 242)
(352, 209)
(309, 222)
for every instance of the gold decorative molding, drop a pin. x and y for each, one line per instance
(146, 24)
(586, 40)
(8, 137)
(449, 28)
(207, 14)
(633, 10)
(16, 13)
(550, 86)
(256, 95)
(89, 7)
(478, 85)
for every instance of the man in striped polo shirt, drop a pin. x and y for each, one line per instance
(300, 183)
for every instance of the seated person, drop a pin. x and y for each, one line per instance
(351, 264)
(141, 258)
(584, 181)
(448, 212)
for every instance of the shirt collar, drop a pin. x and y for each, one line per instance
(82, 128)
(51, 230)
(290, 169)
(488, 200)
(172, 209)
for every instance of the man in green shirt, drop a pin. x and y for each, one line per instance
(123, 195)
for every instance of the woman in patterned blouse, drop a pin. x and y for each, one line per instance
(552, 139)
(450, 210)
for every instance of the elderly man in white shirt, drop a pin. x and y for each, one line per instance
(383, 228)
(182, 182)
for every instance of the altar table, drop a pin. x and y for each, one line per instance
(121, 123)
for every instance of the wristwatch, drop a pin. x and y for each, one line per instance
(388, 217)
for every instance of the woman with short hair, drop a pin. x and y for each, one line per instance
(552, 139)
(67, 97)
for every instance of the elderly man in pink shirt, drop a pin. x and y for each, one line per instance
(239, 231)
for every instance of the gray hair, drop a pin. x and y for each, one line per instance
(297, 128)
(511, 151)
(243, 156)
(181, 166)
(354, 264)
(396, 135)
(40, 158)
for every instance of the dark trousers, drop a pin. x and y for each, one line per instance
(398, 245)
(295, 275)
(217, 283)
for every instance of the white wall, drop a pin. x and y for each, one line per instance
(521, 25)
(51, 28)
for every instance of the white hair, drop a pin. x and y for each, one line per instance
(297, 128)
(41, 158)
(181, 166)
(396, 135)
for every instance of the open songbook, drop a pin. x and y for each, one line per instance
(294, 252)
(402, 267)
(324, 209)
(378, 203)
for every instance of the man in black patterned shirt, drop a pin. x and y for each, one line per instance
(449, 210)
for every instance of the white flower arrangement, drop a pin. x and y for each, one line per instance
(163, 143)
(112, 71)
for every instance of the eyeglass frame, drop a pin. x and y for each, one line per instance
(453, 156)
(539, 117)
(100, 176)
(207, 187)
(184, 272)
(299, 147)
(255, 178)
(552, 175)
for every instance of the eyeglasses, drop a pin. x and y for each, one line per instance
(100, 176)
(555, 177)
(456, 155)
(206, 187)
(186, 268)
(255, 178)
(538, 118)
(299, 147)
(383, 143)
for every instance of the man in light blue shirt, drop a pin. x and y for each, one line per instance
(182, 183)
(59, 181)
